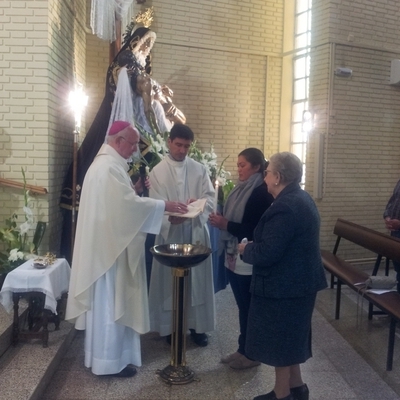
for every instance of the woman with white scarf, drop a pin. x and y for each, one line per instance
(243, 209)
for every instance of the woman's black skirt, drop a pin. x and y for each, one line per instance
(279, 330)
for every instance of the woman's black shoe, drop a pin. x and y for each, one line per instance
(272, 396)
(300, 392)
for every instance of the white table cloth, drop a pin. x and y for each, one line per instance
(53, 281)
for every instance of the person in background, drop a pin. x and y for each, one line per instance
(243, 209)
(287, 274)
(107, 293)
(180, 178)
(391, 217)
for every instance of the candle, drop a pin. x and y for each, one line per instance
(144, 173)
(216, 196)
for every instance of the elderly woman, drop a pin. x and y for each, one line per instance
(243, 209)
(287, 274)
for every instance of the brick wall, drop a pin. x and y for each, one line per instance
(223, 62)
(97, 61)
(361, 124)
(215, 56)
(37, 62)
(23, 102)
(222, 59)
(222, 105)
(67, 65)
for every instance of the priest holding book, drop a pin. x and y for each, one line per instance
(180, 178)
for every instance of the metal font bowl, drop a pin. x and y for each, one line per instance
(180, 255)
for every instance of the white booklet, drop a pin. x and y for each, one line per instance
(194, 209)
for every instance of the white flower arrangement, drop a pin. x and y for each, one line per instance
(15, 237)
(209, 160)
(158, 145)
(16, 255)
(159, 148)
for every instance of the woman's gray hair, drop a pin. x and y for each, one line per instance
(288, 165)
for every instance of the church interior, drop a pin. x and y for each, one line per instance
(319, 78)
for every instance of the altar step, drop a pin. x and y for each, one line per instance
(27, 369)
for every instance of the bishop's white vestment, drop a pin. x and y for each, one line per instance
(108, 290)
(180, 181)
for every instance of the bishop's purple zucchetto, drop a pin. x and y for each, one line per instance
(117, 127)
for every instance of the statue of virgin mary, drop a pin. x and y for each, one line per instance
(131, 95)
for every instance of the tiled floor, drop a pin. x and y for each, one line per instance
(351, 366)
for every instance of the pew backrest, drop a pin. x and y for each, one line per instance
(377, 242)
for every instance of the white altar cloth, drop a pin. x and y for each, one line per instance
(53, 281)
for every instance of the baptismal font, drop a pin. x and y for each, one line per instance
(180, 257)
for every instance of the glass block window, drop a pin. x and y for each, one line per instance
(301, 76)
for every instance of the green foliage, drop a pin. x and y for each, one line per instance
(15, 237)
(158, 149)
(10, 234)
(209, 160)
(226, 189)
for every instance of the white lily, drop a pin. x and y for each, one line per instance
(28, 212)
(15, 255)
(24, 228)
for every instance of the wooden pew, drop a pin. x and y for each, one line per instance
(345, 273)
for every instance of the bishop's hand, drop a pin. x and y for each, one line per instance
(176, 207)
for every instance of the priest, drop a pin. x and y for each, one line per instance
(108, 290)
(180, 178)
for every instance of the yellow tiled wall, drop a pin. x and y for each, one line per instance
(358, 116)
(42, 47)
(222, 59)
(223, 62)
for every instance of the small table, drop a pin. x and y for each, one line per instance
(46, 285)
